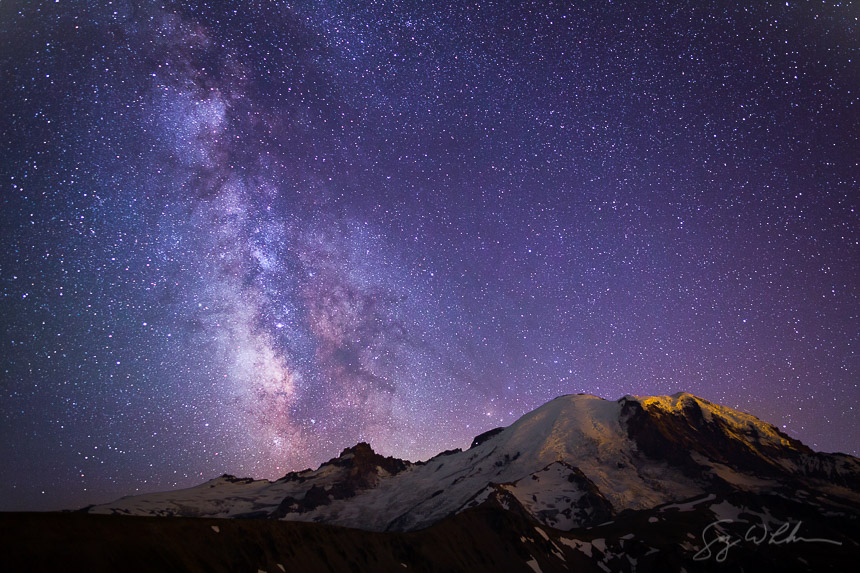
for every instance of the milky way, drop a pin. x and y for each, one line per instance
(239, 237)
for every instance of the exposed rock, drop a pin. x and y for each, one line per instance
(481, 438)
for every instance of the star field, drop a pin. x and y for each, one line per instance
(241, 236)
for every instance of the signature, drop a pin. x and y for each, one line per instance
(718, 541)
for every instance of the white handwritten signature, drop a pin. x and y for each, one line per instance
(718, 542)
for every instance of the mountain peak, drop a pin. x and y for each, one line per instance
(359, 449)
(365, 465)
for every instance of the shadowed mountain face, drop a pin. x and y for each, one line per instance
(630, 484)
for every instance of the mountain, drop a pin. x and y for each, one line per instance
(666, 483)
(574, 462)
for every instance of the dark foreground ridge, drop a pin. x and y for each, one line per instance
(487, 538)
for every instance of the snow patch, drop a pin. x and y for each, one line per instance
(583, 546)
(725, 510)
(689, 505)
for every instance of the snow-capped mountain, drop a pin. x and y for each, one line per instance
(577, 461)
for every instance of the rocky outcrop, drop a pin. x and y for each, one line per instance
(481, 438)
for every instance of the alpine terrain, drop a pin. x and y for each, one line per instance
(668, 483)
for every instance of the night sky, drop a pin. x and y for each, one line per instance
(238, 237)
